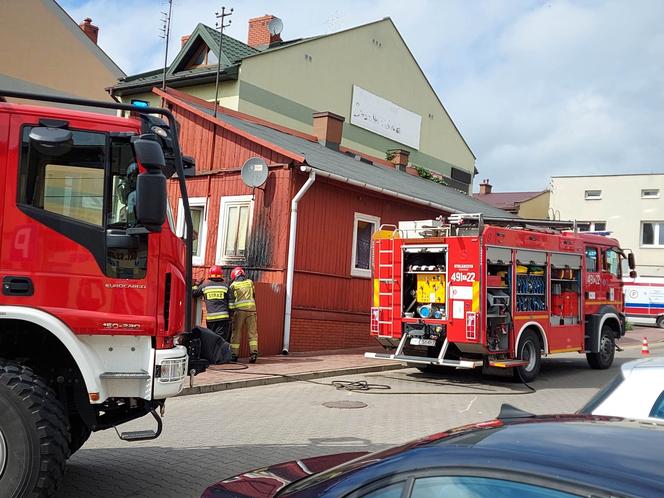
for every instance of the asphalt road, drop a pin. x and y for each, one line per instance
(209, 437)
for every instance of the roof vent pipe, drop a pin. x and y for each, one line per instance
(290, 268)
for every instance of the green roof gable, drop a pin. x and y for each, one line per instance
(232, 50)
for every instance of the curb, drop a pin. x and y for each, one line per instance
(281, 378)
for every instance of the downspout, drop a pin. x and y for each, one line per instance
(290, 269)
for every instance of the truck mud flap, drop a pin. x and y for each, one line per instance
(461, 363)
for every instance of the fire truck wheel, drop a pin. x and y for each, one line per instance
(529, 350)
(660, 322)
(34, 442)
(607, 350)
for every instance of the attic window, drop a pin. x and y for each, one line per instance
(201, 57)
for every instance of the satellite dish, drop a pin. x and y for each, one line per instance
(275, 26)
(254, 172)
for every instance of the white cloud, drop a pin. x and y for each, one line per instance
(536, 88)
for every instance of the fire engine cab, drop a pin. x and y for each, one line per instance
(496, 292)
(95, 322)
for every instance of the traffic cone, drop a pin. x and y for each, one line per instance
(645, 351)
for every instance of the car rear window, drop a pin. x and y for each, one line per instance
(658, 408)
(602, 394)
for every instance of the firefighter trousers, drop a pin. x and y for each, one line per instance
(221, 327)
(242, 319)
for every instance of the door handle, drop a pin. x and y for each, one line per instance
(17, 286)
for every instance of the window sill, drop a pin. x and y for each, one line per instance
(652, 246)
(361, 273)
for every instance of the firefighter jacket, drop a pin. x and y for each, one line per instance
(242, 295)
(216, 297)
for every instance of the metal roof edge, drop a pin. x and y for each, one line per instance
(390, 193)
(231, 128)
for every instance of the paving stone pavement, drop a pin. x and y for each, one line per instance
(208, 437)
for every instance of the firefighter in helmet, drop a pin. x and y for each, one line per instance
(243, 307)
(216, 295)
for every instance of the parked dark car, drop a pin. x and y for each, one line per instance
(517, 455)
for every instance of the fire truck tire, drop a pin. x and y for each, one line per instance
(660, 322)
(607, 350)
(34, 442)
(530, 349)
(80, 433)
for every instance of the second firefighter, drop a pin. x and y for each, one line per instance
(243, 306)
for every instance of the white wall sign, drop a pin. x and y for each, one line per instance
(385, 118)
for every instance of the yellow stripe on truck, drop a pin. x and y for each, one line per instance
(476, 297)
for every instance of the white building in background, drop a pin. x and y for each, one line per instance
(629, 206)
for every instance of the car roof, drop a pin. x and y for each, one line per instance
(653, 362)
(599, 452)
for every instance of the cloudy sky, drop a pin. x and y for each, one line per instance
(536, 88)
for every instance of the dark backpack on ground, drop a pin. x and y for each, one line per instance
(213, 347)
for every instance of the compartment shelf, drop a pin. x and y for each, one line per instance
(531, 294)
(572, 281)
(426, 272)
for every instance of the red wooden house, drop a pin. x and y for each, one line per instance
(330, 198)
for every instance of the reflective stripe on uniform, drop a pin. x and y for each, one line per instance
(246, 304)
(217, 316)
(243, 283)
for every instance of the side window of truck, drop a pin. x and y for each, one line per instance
(612, 262)
(70, 184)
(591, 259)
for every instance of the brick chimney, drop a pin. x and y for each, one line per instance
(90, 29)
(328, 128)
(184, 39)
(485, 187)
(399, 158)
(259, 36)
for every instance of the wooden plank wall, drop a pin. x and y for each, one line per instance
(266, 258)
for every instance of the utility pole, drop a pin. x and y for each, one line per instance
(220, 25)
(166, 33)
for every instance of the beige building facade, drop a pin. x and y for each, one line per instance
(46, 51)
(535, 208)
(365, 74)
(631, 207)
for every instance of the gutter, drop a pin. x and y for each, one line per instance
(380, 190)
(290, 267)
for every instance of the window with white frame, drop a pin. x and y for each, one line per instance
(198, 207)
(650, 193)
(652, 234)
(364, 227)
(235, 215)
(593, 194)
(591, 226)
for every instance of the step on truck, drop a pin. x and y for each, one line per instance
(94, 309)
(496, 293)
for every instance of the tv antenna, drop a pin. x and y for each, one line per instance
(165, 34)
(220, 25)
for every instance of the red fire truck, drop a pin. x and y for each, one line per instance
(496, 293)
(93, 314)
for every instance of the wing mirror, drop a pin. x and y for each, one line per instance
(151, 193)
(631, 261)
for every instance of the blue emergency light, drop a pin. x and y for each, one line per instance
(140, 103)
